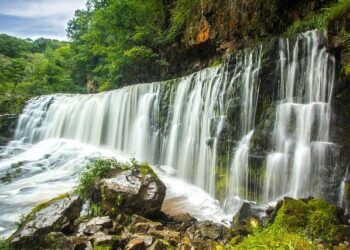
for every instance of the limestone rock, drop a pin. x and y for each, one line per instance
(139, 241)
(159, 245)
(101, 238)
(133, 191)
(168, 235)
(145, 227)
(56, 216)
(94, 225)
(57, 240)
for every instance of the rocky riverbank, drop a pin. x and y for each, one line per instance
(118, 206)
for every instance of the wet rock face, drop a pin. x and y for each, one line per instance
(7, 127)
(242, 216)
(135, 191)
(56, 217)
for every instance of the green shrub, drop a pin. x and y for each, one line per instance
(180, 15)
(97, 170)
(320, 19)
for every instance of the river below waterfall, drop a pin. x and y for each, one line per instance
(52, 167)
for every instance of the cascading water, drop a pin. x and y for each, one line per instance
(301, 134)
(198, 129)
(239, 169)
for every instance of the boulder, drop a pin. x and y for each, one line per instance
(101, 238)
(54, 216)
(242, 216)
(183, 221)
(139, 241)
(132, 191)
(210, 230)
(145, 227)
(57, 240)
(80, 242)
(94, 225)
(159, 245)
(171, 236)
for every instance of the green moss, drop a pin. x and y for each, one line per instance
(292, 215)
(298, 224)
(145, 169)
(274, 239)
(221, 181)
(119, 199)
(321, 220)
(24, 220)
(103, 247)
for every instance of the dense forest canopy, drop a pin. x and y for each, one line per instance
(35, 67)
(117, 42)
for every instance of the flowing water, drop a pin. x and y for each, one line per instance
(181, 127)
(301, 134)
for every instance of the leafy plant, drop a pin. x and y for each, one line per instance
(95, 171)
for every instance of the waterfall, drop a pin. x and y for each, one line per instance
(128, 119)
(203, 127)
(301, 134)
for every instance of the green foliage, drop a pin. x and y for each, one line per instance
(321, 19)
(35, 67)
(12, 104)
(5, 245)
(181, 14)
(116, 42)
(95, 171)
(297, 225)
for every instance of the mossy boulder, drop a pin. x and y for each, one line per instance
(133, 191)
(56, 215)
(298, 224)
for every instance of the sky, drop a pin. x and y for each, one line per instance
(37, 18)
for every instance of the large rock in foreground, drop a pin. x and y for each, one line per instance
(53, 216)
(132, 191)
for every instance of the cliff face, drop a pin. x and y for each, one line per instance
(218, 28)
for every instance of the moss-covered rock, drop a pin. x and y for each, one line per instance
(299, 224)
(53, 216)
(114, 187)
